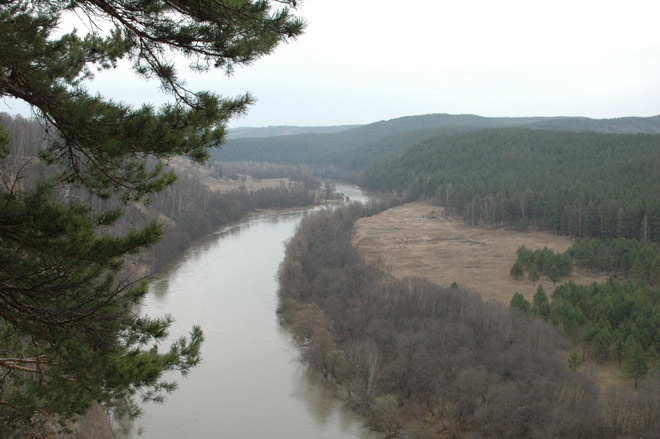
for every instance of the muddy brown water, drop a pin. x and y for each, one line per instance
(250, 384)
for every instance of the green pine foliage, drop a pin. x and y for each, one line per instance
(574, 361)
(51, 66)
(4, 143)
(517, 270)
(616, 320)
(69, 333)
(576, 184)
(541, 303)
(606, 317)
(69, 330)
(360, 148)
(519, 302)
(636, 363)
(631, 258)
(543, 262)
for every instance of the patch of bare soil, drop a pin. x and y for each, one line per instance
(419, 239)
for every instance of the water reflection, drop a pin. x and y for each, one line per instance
(159, 287)
(321, 401)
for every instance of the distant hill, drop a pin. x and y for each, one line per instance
(582, 184)
(363, 146)
(272, 131)
(623, 125)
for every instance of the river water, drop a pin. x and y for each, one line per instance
(249, 384)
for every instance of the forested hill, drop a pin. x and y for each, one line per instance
(578, 184)
(629, 125)
(363, 146)
(284, 130)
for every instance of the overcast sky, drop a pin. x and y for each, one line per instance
(362, 61)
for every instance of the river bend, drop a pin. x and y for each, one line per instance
(249, 385)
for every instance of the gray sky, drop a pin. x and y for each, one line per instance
(361, 61)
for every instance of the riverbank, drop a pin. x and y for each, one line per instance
(227, 284)
(419, 239)
(281, 220)
(96, 423)
(423, 361)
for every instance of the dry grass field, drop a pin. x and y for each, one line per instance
(418, 239)
(184, 166)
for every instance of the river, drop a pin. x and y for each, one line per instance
(249, 385)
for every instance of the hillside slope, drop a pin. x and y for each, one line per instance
(361, 147)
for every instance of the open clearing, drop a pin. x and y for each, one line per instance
(207, 176)
(419, 239)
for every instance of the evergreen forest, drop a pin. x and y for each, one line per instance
(360, 147)
(584, 185)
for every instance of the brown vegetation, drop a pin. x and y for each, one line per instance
(224, 177)
(424, 361)
(419, 239)
(211, 176)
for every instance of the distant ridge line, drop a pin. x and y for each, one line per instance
(285, 130)
(627, 124)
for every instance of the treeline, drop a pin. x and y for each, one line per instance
(577, 184)
(612, 321)
(545, 262)
(260, 170)
(421, 361)
(361, 147)
(193, 217)
(28, 136)
(636, 260)
(616, 320)
(352, 150)
(68, 261)
(188, 209)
